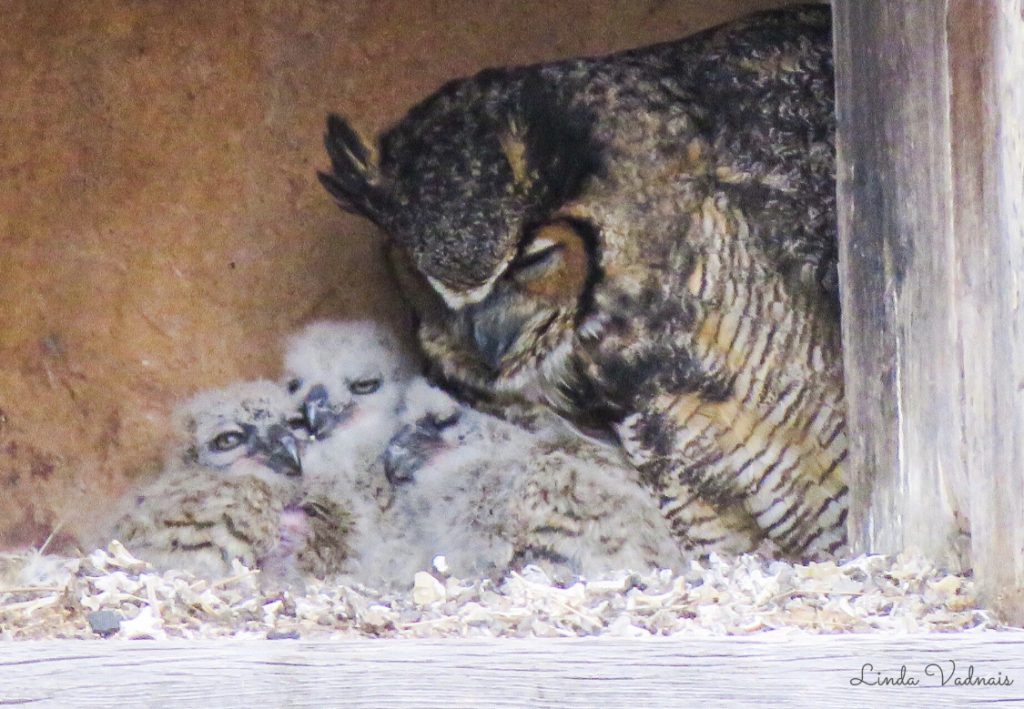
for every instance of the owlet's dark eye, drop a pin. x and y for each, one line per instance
(293, 385)
(227, 441)
(443, 422)
(364, 386)
(297, 423)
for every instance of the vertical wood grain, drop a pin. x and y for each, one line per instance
(931, 262)
(988, 152)
(897, 268)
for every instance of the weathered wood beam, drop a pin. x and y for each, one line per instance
(931, 211)
(827, 671)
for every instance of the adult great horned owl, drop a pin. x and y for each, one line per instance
(644, 242)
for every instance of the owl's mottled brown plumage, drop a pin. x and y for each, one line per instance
(644, 242)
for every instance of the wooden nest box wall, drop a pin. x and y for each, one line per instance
(930, 102)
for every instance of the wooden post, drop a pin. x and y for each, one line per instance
(930, 97)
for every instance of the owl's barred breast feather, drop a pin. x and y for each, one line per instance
(697, 191)
(775, 427)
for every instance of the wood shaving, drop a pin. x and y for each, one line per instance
(44, 596)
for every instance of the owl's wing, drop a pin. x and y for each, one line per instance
(464, 509)
(315, 539)
(582, 511)
(199, 521)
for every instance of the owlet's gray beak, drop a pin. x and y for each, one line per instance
(409, 450)
(285, 454)
(321, 416)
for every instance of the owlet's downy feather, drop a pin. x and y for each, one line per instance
(491, 497)
(349, 378)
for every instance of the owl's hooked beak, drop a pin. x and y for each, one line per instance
(285, 456)
(316, 410)
(417, 444)
(495, 331)
(408, 451)
(551, 278)
(321, 417)
(493, 344)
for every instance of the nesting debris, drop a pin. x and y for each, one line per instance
(734, 596)
(104, 622)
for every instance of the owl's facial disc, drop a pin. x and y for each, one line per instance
(536, 302)
(267, 444)
(554, 265)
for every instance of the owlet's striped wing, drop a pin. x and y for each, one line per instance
(199, 521)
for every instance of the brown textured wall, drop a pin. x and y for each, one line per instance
(160, 222)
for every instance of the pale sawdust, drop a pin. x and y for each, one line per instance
(45, 596)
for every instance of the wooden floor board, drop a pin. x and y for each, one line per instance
(770, 670)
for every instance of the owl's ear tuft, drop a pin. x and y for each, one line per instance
(557, 141)
(513, 145)
(354, 180)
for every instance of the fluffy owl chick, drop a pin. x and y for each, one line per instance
(348, 379)
(233, 472)
(490, 496)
